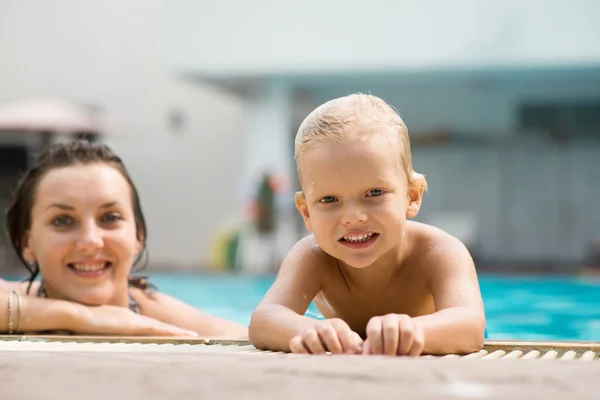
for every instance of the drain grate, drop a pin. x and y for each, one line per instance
(493, 350)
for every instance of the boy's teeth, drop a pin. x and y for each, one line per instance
(88, 267)
(358, 238)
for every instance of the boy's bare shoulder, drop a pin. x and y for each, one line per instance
(307, 253)
(303, 270)
(435, 247)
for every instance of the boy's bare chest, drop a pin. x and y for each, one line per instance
(357, 307)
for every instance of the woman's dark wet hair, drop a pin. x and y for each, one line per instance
(60, 155)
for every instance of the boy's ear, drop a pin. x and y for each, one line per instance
(415, 195)
(303, 209)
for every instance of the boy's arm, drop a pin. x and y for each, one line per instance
(280, 315)
(458, 325)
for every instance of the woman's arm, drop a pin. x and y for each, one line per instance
(175, 312)
(42, 314)
(36, 314)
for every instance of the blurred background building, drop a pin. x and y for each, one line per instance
(202, 101)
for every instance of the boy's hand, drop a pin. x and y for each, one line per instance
(393, 334)
(333, 335)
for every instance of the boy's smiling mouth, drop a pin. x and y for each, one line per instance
(359, 240)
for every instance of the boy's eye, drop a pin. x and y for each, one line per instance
(327, 199)
(375, 192)
(62, 221)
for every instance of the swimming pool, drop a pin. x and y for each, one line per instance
(521, 308)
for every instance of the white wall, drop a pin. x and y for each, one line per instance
(469, 103)
(112, 54)
(246, 38)
(532, 201)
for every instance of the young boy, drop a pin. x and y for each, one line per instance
(385, 285)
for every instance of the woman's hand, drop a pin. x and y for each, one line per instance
(111, 320)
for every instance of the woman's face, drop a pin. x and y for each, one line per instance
(83, 234)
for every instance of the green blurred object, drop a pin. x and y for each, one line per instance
(232, 249)
(266, 199)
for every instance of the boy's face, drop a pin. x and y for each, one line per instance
(356, 198)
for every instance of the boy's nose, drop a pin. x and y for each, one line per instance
(353, 216)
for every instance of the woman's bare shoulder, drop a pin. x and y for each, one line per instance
(19, 286)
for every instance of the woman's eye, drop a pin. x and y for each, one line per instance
(111, 218)
(62, 221)
(375, 192)
(327, 199)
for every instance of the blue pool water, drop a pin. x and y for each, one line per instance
(523, 308)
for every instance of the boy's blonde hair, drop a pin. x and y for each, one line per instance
(346, 120)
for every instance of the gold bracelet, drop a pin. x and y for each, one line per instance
(10, 323)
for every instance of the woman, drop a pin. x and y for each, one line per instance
(76, 220)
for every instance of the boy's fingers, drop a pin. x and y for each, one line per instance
(297, 346)
(330, 338)
(312, 341)
(407, 330)
(418, 343)
(358, 341)
(366, 349)
(374, 335)
(349, 342)
(391, 335)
